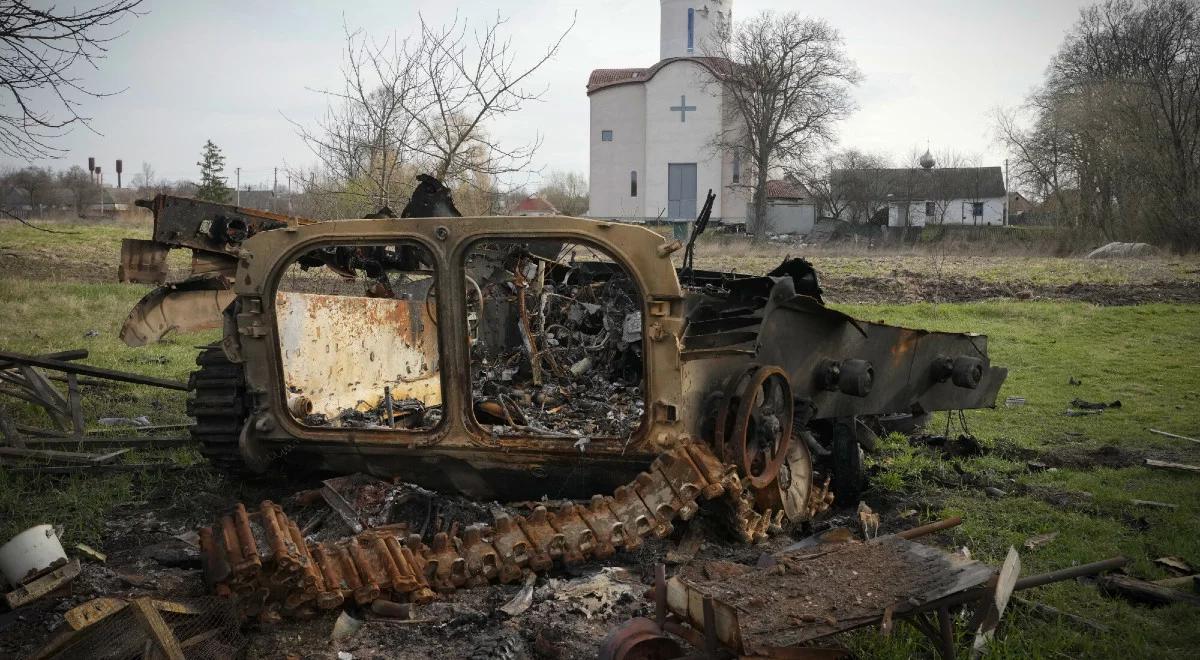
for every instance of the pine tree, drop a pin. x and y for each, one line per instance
(212, 184)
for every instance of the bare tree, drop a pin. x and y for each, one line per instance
(1113, 136)
(364, 140)
(845, 184)
(422, 104)
(41, 50)
(567, 191)
(145, 180)
(785, 83)
(81, 186)
(471, 82)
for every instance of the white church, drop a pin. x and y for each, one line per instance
(652, 129)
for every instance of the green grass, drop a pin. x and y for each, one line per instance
(1142, 355)
(44, 317)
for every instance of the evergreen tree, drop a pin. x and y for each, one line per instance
(212, 184)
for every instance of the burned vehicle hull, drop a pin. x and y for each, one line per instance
(457, 353)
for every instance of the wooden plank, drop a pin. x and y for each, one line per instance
(142, 429)
(51, 400)
(1168, 465)
(9, 430)
(1144, 592)
(158, 629)
(98, 442)
(75, 405)
(54, 455)
(41, 433)
(1173, 435)
(97, 372)
(48, 583)
(74, 354)
(92, 467)
(998, 602)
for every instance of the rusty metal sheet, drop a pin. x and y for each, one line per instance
(168, 309)
(342, 351)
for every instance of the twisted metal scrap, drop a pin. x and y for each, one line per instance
(261, 561)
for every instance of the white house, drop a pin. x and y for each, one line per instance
(928, 195)
(653, 129)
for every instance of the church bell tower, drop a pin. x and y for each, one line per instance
(687, 27)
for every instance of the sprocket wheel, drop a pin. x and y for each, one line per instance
(762, 428)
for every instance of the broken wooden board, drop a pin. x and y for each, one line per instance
(989, 618)
(789, 603)
(52, 455)
(1141, 591)
(1168, 465)
(52, 581)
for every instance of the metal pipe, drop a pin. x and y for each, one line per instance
(924, 530)
(1069, 573)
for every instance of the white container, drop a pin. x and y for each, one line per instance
(29, 553)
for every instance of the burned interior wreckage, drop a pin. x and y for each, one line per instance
(516, 358)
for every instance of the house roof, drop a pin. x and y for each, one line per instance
(535, 204)
(937, 183)
(786, 189)
(604, 78)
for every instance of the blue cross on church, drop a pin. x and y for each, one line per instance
(682, 108)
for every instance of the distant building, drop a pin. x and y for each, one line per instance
(790, 208)
(927, 195)
(534, 206)
(652, 129)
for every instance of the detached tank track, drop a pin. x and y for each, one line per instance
(217, 400)
(261, 561)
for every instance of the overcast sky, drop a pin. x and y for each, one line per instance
(231, 71)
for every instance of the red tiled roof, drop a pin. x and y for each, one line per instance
(535, 204)
(602, 78)
(785, 189)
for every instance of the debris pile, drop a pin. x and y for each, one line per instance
(563, 354)
(263, 561)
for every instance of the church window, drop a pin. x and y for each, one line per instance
(606, 135)
(929, 210)
(633, 183)
(737, 167)
(977, 209)
(691, 27)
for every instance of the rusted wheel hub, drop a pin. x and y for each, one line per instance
(638, 639)
(762, 426)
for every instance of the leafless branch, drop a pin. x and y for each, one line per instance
(41, 50)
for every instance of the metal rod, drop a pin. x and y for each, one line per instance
(924, 530)
(1069, 573)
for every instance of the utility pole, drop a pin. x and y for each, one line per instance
(238, 197)
(1007, 194)
(275, 182)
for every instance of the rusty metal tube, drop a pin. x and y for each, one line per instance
(1069, 573)
(925, 530)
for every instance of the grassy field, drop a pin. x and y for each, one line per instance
(46, 316)
(1142, 355)
(724, 254)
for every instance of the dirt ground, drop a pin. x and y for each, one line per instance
(573, 608)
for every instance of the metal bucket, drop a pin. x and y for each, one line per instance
(29, 553)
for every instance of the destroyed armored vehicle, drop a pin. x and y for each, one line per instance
(517, 358)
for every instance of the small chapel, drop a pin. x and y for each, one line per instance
(652, 154)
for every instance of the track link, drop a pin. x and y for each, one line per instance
(261, 560)
(217, 400)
